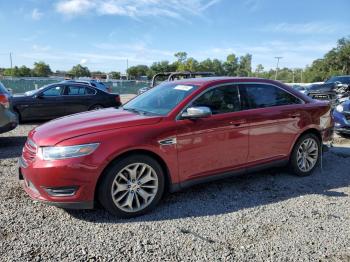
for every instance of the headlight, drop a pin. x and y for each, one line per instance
(62, 152)
(339, 108)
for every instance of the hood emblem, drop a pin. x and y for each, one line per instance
(168, 141)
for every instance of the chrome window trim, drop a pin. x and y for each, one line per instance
(178, 117)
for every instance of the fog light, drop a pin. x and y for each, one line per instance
(61, 191)
(31, 186)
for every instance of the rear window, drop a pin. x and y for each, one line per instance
(3, 90)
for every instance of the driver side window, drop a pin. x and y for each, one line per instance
(53, 91)
(220, 100)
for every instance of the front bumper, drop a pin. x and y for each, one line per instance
(341, 123)
(66, 184)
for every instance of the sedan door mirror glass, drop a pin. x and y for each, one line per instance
(196, 112)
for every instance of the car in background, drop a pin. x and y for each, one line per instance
(61, 99)
(8, 119)
(331, 90)
(175, 135)
(301, 89)
(341, 116)
(172, 76)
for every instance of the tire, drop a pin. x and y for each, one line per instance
(96, 107)
(306, 148)
(18, 115)
(125, 198)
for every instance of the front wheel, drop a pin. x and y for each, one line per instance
(132, 186)
(306, 154)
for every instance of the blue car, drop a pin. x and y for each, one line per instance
(341, 116)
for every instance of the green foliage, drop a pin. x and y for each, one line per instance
(41, 69)
(135, 72)
(115, 75)
(335, 62)
(80, 71)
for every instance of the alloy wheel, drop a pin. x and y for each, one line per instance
(307, 154)
(134, 187)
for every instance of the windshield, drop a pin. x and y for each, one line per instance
(3, 89)
(161, 99)
(341, 79)
(32, 92)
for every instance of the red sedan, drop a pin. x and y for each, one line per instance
(173, 136)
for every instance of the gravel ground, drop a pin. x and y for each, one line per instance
(265, 216)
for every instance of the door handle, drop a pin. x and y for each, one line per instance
(238, 122)
(294, 115)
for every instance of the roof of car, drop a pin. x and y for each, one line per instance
(207, 80)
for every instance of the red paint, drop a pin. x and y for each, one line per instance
(204, 147)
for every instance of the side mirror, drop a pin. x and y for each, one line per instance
(196, 112)
(39, 96)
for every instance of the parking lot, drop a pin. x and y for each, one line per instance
(266, 216)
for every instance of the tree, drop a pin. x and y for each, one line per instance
(245, 65)
(137, 71)
(41, 69)
(181, 57)
(115, 75)
(259, 69)
(231, 65)
(80, 71)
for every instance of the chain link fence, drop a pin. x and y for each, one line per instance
(22, 85)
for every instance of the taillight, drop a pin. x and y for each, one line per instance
(4, 101)
(117, 99)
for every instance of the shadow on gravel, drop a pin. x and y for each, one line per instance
(238, 193)
(11, 146)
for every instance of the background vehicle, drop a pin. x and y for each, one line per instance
(62, 99)
(172, 76)
(92, 82)
(341, 116)
(301, 89)
(8, 119)
(334, 88)
(173, 136)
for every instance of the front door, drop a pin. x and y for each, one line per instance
(215, 144)
(48, 104)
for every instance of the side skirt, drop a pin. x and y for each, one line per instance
(179, 186)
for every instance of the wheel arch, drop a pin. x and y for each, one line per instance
(145, 152)
(311, 130)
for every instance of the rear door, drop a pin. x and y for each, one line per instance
(273, 119)
(215, 144)
(78, 98)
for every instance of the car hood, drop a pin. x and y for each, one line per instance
(321, 87)
(76, 125)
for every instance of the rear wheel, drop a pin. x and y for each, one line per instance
(306, 154)
(96, 107)
(132, 186)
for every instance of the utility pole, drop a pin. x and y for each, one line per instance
(127, 67)
(11, 60)
(293, 75)
(301, 75)
(278, 60)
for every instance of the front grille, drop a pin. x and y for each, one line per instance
(29, 151)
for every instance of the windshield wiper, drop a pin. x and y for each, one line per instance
(137, 111)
